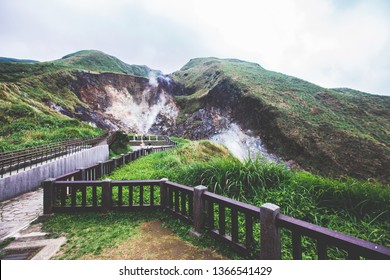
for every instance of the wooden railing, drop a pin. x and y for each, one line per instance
(233, 222)
(20, 159)
(151, 140)
(222, 219)
(57, 197)
(15, 161)
(325, 238)
(147, 137)
(248, 229)
(178, 200)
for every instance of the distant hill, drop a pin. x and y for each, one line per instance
(8, 59)
(87, 60)
(98, 61)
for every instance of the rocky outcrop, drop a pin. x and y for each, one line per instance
(125, 102)
(224, 111)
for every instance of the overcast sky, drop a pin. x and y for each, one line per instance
(333, 43)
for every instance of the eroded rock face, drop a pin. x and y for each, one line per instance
(133, 104)
(141, 105)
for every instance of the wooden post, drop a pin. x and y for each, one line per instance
(48, 196)
(163, 193)
(115, 163)
(83, 176)
(132, 156)
(106, 195)
(101, 169)
(196, 231)
(269, 233)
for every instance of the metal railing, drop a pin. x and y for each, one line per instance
(15, 161)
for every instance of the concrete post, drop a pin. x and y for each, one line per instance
(123, 159)
(163, 193)
(48, 196)
(198, 211)
(106, 195)
(269, 233)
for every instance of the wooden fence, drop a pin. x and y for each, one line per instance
(89, 174)
(248, 229)
(151, 141)
(147, 137)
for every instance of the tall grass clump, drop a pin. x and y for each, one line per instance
(347, 205)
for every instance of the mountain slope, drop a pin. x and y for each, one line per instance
(336, 132)
(43, 102)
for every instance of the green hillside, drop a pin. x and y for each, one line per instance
(37, 106)
(333, 132)
(9, 59)
(339, 132)
(87, 60)
(26, 121)
(101, 62)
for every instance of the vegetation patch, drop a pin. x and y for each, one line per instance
(141, 235)
(335, 132)
(357, 208)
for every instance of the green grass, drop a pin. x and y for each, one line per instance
(91, 233)
(357, 208)
(23, 126)
(335, 132)
(28, 90)
(25, 117)
(42, 129)
(180, 140)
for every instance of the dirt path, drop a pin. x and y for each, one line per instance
(155, 243)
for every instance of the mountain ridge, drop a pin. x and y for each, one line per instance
(333, 131)
(317, 127)
(16, 60)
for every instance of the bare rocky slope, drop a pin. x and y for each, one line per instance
(251, 110)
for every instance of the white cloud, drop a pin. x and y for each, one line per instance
(315, 40)
(321, 41)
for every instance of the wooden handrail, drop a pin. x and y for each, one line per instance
(179, 203)
(351, 244)
(179, 200)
